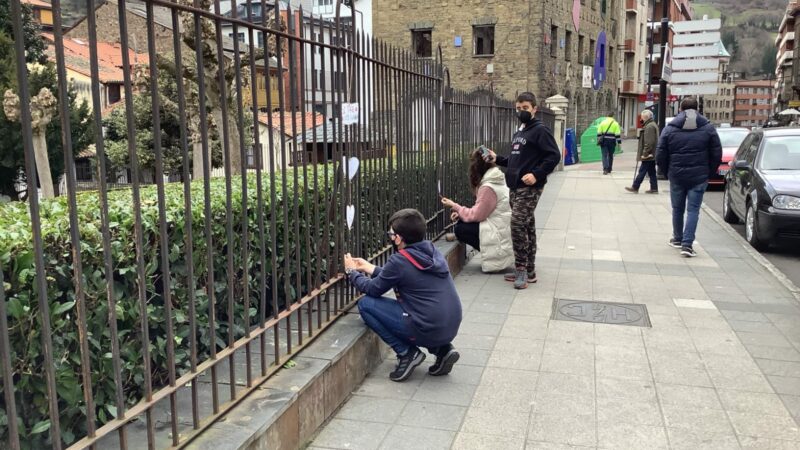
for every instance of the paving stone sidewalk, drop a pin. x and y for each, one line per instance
(718, 369)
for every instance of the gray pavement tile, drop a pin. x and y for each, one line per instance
(568, 363)
(752, 402)
(511, 344)
(776, 353)
(721, 364)
(667, 358)
(624, 435)
(688, 396)
(432, 415)
(503, 398)
(531, 307)
(371, 409)
(558, 330)
(473, 357)
(674, 340)
(471, 341)
(705, 420)
(444, 393)
(610, 410)
(515, 359)
(675, 374)
(760, 425)
(682, 439)
(705, 323)
(761, 327)
(548, 403)
(519, 379)
(511, 424)
(379, 385)
(785, 385)
(573, 430)
(792, 403)
(630, 355)
(641, 268)
(349, 434)
(740, 382)
(623, 370)
(743, 316)
(662, 321)
(478, 441)
(500, 307)
(410, 438)
(779, 368)
(525, 327)
(761, 443)
(479, 329)
(484, 317)
(636, 390)
(538, 445)
(566, 384)
(772, 340)
(461, 374)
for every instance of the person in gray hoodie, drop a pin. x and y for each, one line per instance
(427, 309)
(688, 153)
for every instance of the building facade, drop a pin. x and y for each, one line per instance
(753, 103)
(679, 10)
(718, 108)
(784, 96)
(633, 81)
(517, 46)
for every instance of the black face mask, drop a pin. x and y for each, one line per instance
(524, 116)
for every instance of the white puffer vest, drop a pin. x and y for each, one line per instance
(497, 253)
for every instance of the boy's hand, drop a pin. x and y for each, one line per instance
(491, 157)
(349, 262)
(362, 265)
(529, 179)
(448, 203)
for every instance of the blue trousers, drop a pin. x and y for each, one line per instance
(607, 148)
(686, 200)
(386, 318)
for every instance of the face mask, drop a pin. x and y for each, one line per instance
(524, 116)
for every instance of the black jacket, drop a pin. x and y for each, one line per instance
(533, 150)
(427, 294)
(689, 151)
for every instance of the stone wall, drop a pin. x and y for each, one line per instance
(108, 30)
(522, 59)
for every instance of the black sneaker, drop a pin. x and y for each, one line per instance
(445, 359)
(674, 243)
(406, 364)
(688, 251)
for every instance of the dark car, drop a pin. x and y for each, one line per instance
(731, 138)
(763, 186)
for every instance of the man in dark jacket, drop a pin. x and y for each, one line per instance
(427, 312)
(688, 153)
(647, 154)
(534, 156)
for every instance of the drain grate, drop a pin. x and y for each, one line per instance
(600, 312)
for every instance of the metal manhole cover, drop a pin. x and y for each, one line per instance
(600, 312)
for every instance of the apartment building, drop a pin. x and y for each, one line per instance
(784, 96)
(753, 103)
(633, 81)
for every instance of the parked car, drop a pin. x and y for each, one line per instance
(763, 186)
(730, 138)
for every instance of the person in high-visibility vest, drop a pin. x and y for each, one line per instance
(608, 137)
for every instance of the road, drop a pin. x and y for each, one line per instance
(785, 256)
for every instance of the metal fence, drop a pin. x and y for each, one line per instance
(136, 317)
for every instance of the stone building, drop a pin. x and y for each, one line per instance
(515, 46)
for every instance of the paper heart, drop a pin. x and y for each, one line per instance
(352, 166)
(351, 214)
(439, 187)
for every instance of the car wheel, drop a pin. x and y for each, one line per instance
(751, 229)
(727, 211)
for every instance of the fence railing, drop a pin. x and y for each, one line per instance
(135, 317)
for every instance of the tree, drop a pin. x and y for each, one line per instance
(12, 155)
(34, 45)
(768, 62)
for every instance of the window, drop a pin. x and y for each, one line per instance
(114, 93)
(567, 45)
(483, 40)
(241, 36)
(83, 170)
(580, 48)
(641, 34)
(640, 72)
(610, 63)
(591, 51)
(260, 39)
(421, 43)
(603, 6)
(553, 40)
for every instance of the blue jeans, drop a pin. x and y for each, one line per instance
(686, 199)
(387, 319)
(647, 168)
(607, 149)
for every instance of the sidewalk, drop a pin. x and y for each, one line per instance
(718, 369)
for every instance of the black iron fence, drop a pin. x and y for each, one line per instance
(135, 317)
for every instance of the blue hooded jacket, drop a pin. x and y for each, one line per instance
(428, 295)
(689, 151)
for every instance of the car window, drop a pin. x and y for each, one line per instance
(731, 138)
(753, 149)
(780, 153)
(741, 154)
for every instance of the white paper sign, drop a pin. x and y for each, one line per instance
(439, 187)
(352, 166)
(587, 77)
(351, 214)
(349, 113)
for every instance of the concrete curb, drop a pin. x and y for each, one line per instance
(780, 276)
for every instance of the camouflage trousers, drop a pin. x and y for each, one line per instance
(523, 226)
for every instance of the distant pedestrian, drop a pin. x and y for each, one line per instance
(648, 141)
(486, 226)
(534, 156)
(608, 137)
(689, 153)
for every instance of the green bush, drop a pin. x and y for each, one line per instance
(17, 262)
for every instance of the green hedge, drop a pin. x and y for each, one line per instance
(17, 262)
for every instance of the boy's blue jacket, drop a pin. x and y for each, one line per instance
(428, 295)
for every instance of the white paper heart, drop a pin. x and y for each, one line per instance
(351, 214)
(439, 187)
(352, 166)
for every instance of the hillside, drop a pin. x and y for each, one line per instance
(749, 28)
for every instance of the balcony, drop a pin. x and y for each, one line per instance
(631, 6)
(630, 86)
(629, 46)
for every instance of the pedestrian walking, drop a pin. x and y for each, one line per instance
(534, 156)
(486, 226)
(688, 153)
(608, 137)
(648, 141)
